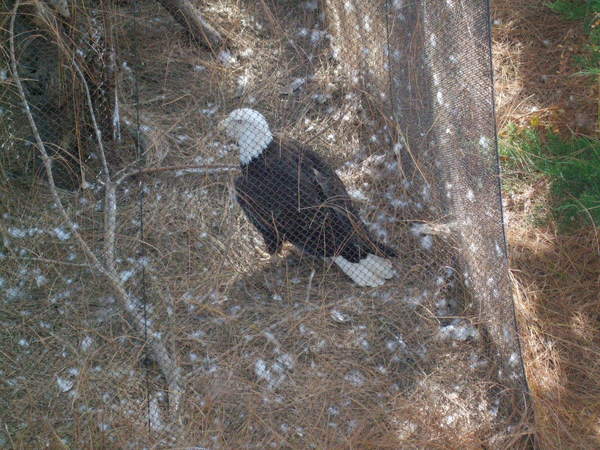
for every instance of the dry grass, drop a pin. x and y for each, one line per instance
(534, 69)
(272, 358)
(556, 287)
(272, 355)
(555, 277)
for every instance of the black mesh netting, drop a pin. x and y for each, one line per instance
(240, 224)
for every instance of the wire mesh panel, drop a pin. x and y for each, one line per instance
(460, 73)
(254, 224)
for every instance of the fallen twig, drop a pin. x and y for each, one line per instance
(197, 27)
(202, 169)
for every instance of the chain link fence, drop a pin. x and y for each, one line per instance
(254, 224)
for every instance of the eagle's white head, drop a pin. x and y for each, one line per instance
(251, 131)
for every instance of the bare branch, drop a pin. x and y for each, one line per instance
(97, 131)
(168, 366)
(110, 201)
(188, 16)
(42, 149)
(202, 169)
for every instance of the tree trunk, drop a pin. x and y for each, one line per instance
(188, 16)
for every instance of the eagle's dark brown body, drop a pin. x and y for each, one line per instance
(290, 194)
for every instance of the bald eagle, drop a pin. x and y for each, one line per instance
(290, 194)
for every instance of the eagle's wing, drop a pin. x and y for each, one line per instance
(272, 238)
(335, 196)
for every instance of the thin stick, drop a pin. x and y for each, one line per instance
(110, 207)
(208, 169)
(110, 224)
(94, 123)
(50, 261)
(308, 288)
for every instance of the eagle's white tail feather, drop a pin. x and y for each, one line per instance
(371, 271)
(379, 266)
(360, 274)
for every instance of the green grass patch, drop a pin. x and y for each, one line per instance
(589, 13)
(573, 9)
(572, 166)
